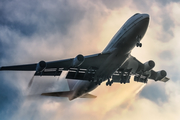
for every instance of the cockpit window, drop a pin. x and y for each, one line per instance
(136, 14)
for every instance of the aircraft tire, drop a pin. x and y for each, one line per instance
(140, 44)
(137, 44)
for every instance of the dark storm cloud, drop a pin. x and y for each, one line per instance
(10, 98)
(10, 18)
(30, 17)
(7, 49)
(25, 22)
(155, 92)
(30, 21)
(21, 20)
(35, 21)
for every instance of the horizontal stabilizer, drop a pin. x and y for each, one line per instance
(58, 94)
(88, 96)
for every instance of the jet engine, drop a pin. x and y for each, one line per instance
(41, 66)
(148, 65)
(78, 60)
(161, 74)
(158, 75)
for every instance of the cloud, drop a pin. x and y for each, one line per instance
(33, 30)
(10, 98)
(155, 92)
(114, 4)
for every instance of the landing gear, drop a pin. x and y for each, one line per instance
(98, 82)
(125, 79)
(109, 82)
(138, 44)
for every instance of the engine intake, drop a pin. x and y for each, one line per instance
(41, 66)
(78, 60)
(148, 65)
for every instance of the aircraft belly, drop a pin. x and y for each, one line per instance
(82, 87)
(111, 64)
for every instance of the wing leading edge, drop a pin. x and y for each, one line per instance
(93, 61)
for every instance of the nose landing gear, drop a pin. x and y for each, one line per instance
(109, 82)
(138, 44)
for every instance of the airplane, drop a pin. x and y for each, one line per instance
(114, 64)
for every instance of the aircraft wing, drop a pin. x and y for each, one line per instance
(54, 68)
(141, 71)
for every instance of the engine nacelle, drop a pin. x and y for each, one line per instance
(161, 74)
(158, 75)
(148, 65)
(41, 66)
(78, 60)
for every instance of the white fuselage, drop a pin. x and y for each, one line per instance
(119, 50)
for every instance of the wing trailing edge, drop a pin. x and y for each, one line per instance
(88, 96)
(68, 94)
(58, 94)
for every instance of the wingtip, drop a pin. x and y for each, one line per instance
(1, 68)
(43, 94)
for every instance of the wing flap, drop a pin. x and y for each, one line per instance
(80, 76)
(49, 73)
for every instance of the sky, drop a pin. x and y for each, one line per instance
(31, 31)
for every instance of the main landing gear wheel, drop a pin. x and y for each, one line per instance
(138, 38)
(99, 82)
(109, 83)
(138, 44)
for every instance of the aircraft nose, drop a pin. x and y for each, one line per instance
(145, 16)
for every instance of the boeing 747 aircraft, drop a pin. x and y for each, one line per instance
(114, 64)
